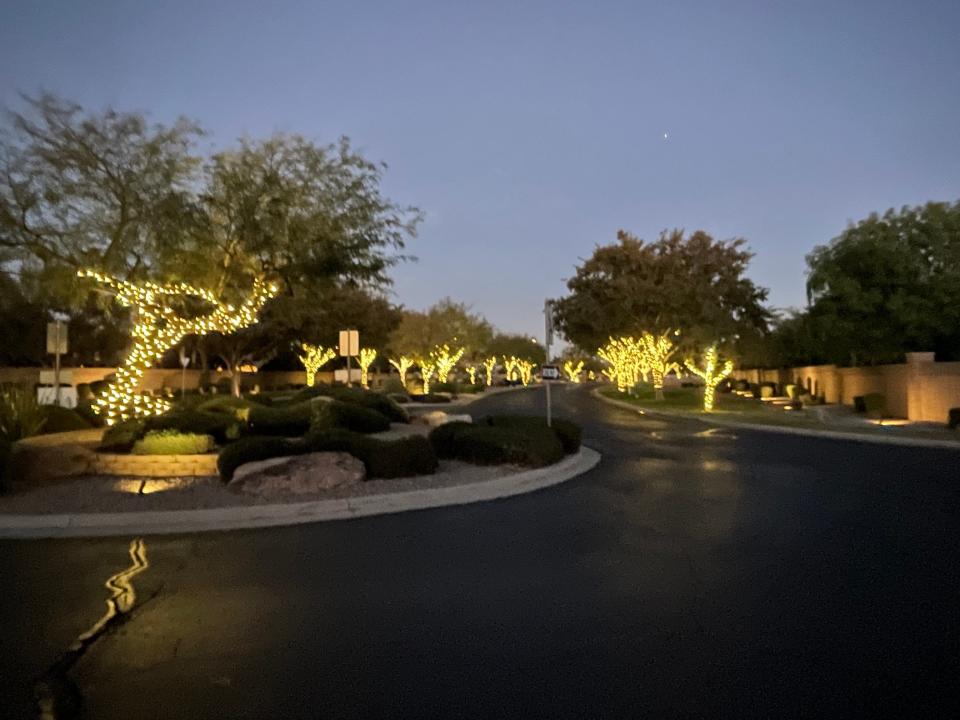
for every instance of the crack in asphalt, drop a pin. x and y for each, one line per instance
(57, 696)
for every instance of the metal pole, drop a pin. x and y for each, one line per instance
(56, 364)
(548, 332)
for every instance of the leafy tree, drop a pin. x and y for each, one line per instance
(446, 322)
(886, 286)
(82, 189)
(521, 346)
(693, 282)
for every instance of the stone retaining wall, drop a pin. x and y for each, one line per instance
(154, 465)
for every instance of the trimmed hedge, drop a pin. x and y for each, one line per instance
(223, 428)
(953, 418)
(569, 433)
(430, 398)
(382, 458)
(336, 414)
(491, 445)
(60, 419)
(285, 420)
(357, 396)
(171, 442)
(121, 437)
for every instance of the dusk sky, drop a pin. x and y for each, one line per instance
(530, 132)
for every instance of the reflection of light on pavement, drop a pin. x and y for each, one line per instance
(123, 595)
(715, 432)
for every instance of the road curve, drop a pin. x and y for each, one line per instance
(693, 573)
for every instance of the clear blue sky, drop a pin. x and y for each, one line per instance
(529, 132)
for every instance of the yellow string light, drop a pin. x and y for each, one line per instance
(427, 369)
(525, 368)
(573, 371)
(158, 328)
(444, 360)
(489, 365)
(510, 366)
(315, 358)
(402, 364)
(472, 372)
(367, 356)
(712, 376)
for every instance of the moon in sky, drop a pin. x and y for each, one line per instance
(665, 136)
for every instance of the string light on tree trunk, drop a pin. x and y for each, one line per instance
(427, 369)
(445, 361)
(711, 373)
(315, 357)
(158, 328)
(367, 356)
(572, 371)
(489, 365)
(510, 366)
(402, 364)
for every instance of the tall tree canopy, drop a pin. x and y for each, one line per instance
(113, 192)
(693, 282)
(887, 286)
(446, 322)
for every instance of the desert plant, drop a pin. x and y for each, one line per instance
(20, 414)
(337, 414)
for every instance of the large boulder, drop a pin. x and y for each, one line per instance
(298, 475)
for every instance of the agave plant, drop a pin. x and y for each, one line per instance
(20, 414)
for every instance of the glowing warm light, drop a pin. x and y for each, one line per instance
(591, 375)
(489, 365)
(445, 361)
(658, 349)
(711, 373)
(427, 369)
(472, 372)
(315, 358)
(366, 358)
(402, 364)
(510, 366)
(628, 361)
(573, 371)
(157, 329)
(525, 368)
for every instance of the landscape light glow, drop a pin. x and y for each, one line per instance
(572, 371)
(315, 358)
(489, 365)
(444, 360)
(402, 364)
(367, 356)
(427, 369)
(158, 328)
(710, 372)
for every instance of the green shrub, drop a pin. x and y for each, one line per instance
(430, 398)
(20, 414)
(393, 385)
(953, 418)
(568, 433)
(875, 405)
(336, 414)
(399, 397)
(121, 437)
(61, 419)
(224, 386)
(252, 449)
(381, 458)
(452, 387)
(742, 385)
(86, 411)
(357, 396)
(223, 428)
(6, 450)
(485, 444)
(259, 398)
(171, 442)
(98, 386)
(290, 420)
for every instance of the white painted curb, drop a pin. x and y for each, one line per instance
(255, 516)
(786, 430)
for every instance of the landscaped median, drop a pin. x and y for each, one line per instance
(735, 411)
(343, 462)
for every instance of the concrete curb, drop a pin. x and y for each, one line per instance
(234, 518)
(785, 430)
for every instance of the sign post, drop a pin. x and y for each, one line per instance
(548, 337)
(184, 361)
(349, 347)
(57, 345)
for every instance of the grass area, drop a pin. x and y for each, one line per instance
(734, 408)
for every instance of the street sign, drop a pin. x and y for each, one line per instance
(349, 343)
(57, 338)
(550, 372)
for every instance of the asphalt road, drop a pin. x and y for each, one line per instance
(693, 573)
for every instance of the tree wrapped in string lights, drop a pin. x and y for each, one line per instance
(711, 373)
(315, 358)
(158, 328)
(427, 369)
(658, 350)
(511, 366)
(402, 364)
(525, 369)
(367, 356)
(445, 361)
(573, 371)
(488, 365)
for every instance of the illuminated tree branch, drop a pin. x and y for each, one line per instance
(367, 356)
(403, 364)
(711, 374)
(316, 357)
